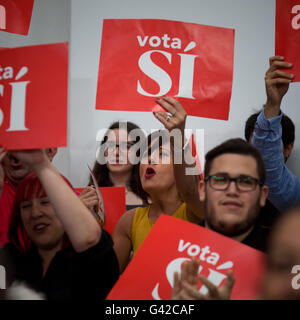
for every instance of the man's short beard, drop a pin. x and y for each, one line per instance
(236, 231)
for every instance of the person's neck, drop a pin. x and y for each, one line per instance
(47, 256)
(165, 202)
(120, 179)
(241, 237)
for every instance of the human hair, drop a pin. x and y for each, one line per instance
(101, 171)
(288, 128)
(157, 139)
(236, 146)
(29, 188)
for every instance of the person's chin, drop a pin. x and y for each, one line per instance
(227, 225)
(115, 168)
(18, 175)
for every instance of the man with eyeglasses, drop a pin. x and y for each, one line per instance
(233, 192)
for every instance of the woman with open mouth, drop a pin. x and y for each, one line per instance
(56, 245)
(157, 178)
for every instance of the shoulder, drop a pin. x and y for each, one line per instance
(125, 222)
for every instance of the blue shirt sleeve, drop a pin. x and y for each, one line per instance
(284, 186)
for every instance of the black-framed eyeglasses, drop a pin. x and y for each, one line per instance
(243, 183)
(123, 146)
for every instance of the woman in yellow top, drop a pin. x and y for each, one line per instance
(157, 176)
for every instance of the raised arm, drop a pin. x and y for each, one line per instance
(284, 187)
(187, 184)
(79, 224)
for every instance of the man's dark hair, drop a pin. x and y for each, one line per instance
(236, 146)
(288, 128)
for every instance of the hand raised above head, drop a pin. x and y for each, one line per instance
(277, 84)
(177, 116)
(34, 158)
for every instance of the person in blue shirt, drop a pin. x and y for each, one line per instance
(284, 186)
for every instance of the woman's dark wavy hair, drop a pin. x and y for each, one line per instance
(29, 188)
(157, 139)
(101, 171)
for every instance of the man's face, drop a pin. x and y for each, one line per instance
(284, 254)
(14, 169)
(232, 212)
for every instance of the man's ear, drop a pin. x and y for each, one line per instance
(51, 152)
(201, 190)
(287, 150)
(263, 195)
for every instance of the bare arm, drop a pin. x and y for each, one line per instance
(122, 238)
(79, 224)
(187, 184)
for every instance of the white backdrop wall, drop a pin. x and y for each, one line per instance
(80, 21)
(254, 23)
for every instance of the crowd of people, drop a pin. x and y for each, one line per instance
(51, 243)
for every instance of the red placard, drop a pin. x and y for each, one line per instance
(114, 205)
(34, 96)
(287, 39)
(15, 16)
(166, 251)
(144, 59)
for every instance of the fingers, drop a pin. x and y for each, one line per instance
(279, 59)
(176, 286)
(89, 197)
(3, 153)
(278, 77)
(213, 290)
(168, 103)
(193, 272)
(228, 285)
(162, 117)
(185, 271)
(279, 73)
(178, 114)
(277, 62)
(87, 189)
(190, 293)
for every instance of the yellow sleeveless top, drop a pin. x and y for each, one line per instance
(141, 224)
